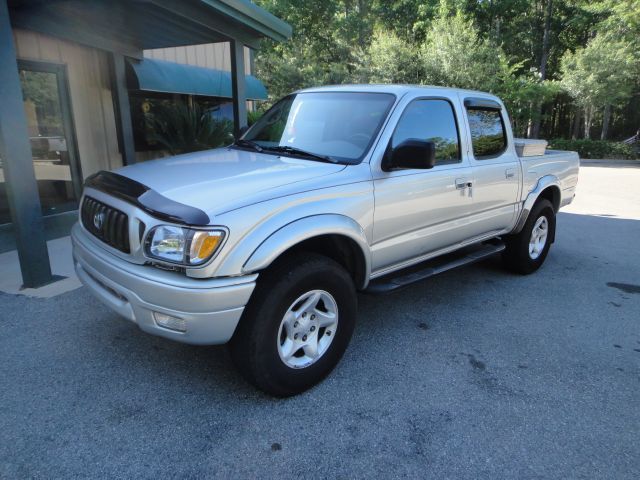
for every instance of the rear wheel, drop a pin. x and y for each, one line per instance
(297, 325)
(527, 251)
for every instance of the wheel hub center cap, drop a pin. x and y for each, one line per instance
(306, 330)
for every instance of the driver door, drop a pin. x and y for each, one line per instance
(422, 211)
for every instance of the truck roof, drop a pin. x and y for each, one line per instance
(395, 89)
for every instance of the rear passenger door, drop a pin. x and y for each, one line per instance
(421, 211)
(496, 167)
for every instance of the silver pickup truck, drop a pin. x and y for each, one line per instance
(264, 244)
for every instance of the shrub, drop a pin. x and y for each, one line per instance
(182, 128)
(595, 148)
(253, 117)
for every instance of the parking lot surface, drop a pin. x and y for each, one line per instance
(477, 373)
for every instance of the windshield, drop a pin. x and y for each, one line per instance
(337, 125)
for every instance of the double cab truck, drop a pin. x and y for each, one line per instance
(265, 243)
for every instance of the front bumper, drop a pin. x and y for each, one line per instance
(210, 308)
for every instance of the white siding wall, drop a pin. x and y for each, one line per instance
(211, 55)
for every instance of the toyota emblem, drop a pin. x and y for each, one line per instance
(98, 220)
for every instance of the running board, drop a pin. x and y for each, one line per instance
(405, 277)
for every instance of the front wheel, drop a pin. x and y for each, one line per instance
(527, 250)
(297, 325)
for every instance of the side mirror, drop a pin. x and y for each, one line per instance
(412, 153)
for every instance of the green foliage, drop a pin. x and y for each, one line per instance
(494, 46)
(451, 54)
(600, 73)
(391, 60)
(521, 94)
(327, 42)
(595, 148)
(254, 116)
(41, 90)
(620, 18)
(447, 151)
(182, 128)
(455, 55)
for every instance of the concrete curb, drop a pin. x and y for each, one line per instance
(609, 162)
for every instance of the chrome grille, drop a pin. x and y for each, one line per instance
(106, 223)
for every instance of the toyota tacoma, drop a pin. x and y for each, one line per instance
(265, 243)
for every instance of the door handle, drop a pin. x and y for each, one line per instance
(462, 183)
(510, 173)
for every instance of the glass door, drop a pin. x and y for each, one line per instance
(52, 137)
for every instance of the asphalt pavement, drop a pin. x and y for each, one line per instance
(477, 373)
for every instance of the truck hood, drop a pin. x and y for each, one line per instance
(219, 180)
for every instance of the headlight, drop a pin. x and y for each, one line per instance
(167, 243)
(183, 245)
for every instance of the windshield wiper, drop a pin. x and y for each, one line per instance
(241, 142)
(302, 153)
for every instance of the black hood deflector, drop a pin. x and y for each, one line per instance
(146, 199)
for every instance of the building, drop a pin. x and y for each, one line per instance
(194, 74)
(66, 71)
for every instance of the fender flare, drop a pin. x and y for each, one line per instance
(543, 183)
(304, 229)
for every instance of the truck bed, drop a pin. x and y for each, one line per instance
(563, 165)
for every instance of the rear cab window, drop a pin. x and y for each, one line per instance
(488, 133)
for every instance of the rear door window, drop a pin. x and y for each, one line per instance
(488, 135)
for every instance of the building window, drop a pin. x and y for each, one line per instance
(164, 122)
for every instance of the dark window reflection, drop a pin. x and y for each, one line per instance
(487, 132)
(434, 121)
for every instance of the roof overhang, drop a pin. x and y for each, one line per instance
(130, 26)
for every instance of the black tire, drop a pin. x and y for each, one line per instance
(254, 346)
(516, 256)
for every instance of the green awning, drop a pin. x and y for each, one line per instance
(161, 76)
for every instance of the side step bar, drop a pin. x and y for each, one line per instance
(403, 278)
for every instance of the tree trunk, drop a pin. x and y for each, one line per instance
(588, 115)
(576, 125)
(544, 58)
(555, 111)
(530, 123)
(362, 12)
(534, 126)
(606, 116)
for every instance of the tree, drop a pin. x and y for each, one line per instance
(599, 76)
(389, 59)
(534, 131)
(522, 94)
(455, 55)
(621, 18)
(329, 39)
